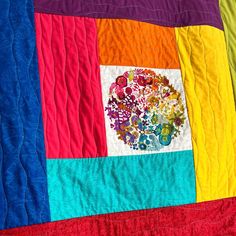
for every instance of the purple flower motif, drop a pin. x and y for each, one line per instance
(129, 137)
(116, 125)
(178, 121)
(113, 114)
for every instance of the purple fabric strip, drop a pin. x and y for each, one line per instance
(173, 13)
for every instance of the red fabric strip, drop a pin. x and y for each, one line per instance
(209, 218)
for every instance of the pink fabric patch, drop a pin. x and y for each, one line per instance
(73, 112)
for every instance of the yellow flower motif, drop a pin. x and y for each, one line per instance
(167, 129)
(153, 100)
(174, 96)
(161, 106)
(154, 119)
(131, 76)
(135, 134)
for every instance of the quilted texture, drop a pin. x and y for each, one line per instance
(70, 85)
(137, 111)
(23, 181)
(139, 45)
(82, 186)
(133, 43)
(115, 143)
(216, 218)
(94, 186)
(161, 12)
(210, 103)
(228, 13)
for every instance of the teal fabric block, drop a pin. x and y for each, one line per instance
(84, 187)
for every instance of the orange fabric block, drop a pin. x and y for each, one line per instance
(133, 43)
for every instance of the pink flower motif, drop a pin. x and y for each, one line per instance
(167, 94)
(132, 97)
(126, 74)
(141, 81)
(128, 90)
(121, 81)
(113, 85)
(121, 95)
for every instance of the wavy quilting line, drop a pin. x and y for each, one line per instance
(210, 103)
(71, 87)
(23, 184)
(206, 219)
(91, 186)
(161, 12)
(133, 43)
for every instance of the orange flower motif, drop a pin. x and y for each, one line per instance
(155, 84)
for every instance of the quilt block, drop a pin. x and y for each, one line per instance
(119, 112)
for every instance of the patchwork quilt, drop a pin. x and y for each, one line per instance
(117, 117)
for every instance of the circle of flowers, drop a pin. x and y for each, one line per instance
(145, 110)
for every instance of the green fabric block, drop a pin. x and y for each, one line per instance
(228, 13)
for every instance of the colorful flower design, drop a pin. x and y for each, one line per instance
(145, 110)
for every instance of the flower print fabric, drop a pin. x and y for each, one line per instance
(145, 110)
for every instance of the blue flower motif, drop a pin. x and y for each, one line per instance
(142, 138)
(140, 126)
(142, 146)
(158, 130)
(148, 142)
(165, 140)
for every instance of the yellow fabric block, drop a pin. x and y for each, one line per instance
(210, 102)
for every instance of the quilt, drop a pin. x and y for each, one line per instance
(117, 117)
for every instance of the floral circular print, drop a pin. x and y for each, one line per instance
(145, 110)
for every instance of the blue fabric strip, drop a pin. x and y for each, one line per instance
(23, 182)
(83, 187)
